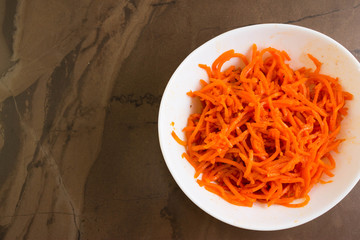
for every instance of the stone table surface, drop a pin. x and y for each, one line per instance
(80, 88)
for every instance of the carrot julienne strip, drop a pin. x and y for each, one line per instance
(181, 142)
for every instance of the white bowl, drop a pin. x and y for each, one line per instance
(297, 41)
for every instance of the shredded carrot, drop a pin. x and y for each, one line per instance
(181, 142)
(325, 182)
(265, 131)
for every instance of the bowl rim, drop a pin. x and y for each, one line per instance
(304, 220)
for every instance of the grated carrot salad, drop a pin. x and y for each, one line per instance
(266, 131)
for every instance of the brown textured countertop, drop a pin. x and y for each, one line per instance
(81, 82)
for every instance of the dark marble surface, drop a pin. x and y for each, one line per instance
(81, 82)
